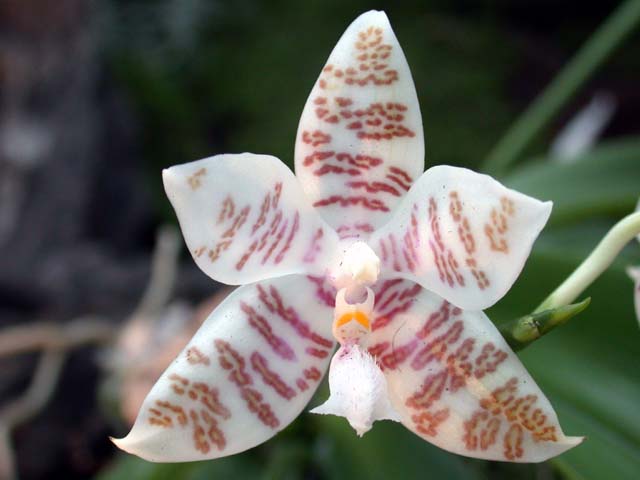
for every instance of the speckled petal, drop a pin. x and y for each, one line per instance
(245, 218)
(462, 235)
(360, 145)
(246, 374)
(455, 381)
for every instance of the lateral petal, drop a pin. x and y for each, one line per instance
(245, 218)
(360, 145)
(462, 235)
(246, 374)
(457, 384)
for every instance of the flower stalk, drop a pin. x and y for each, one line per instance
(595, 264)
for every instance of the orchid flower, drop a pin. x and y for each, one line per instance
(361, 248)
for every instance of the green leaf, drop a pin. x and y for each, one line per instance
(603, 181)
(611, 33)
(387, 451)
(590, 368)
(129, 467)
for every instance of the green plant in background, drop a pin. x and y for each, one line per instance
(587, 369)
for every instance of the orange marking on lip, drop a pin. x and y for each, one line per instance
(358, 316)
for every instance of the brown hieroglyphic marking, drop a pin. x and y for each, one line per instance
(195, 180)
(427, 422)
(357, 229)
(402, 255)
(467, 238)
(497, 228)
(400, 177)
(377, 121)
(273, 301)
(165, 413)
(481, 430)
(205, 403)
(315, 138)
(213, 433)
(373, 204)
(378, 349)
(227, 237)
(271, 378)
(411, 241)
(227, 211)
(272, 233)
(440, 347)
(314, 247)
(232, 361)
(261, 409)
(263, 327)
(366, 181)
(325, 292)
(195, 356)
(393, 297)
(490, 357)
(380, 122)
(446, 263)
(513, 442)
(371, 65)
(352, 165)
(302, 385)
(264, 210)
(200, 392)
(373, 187)
(312, 374)
(397, 355)
(316, 352)
(519, 414)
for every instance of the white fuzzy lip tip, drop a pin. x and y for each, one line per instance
(359, 390)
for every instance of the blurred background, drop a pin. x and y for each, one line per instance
(97, 294)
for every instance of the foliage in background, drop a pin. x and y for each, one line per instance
(207, 78)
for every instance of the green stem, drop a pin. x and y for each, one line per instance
(592, 54)
(596, 263)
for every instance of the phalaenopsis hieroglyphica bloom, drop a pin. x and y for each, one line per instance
(361, 248)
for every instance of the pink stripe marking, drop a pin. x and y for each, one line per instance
(261, 324)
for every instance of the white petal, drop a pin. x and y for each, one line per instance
(246, 374)
(457, 384)
(360, 144)
(462, 235)
(358, 390)
(245, 218)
